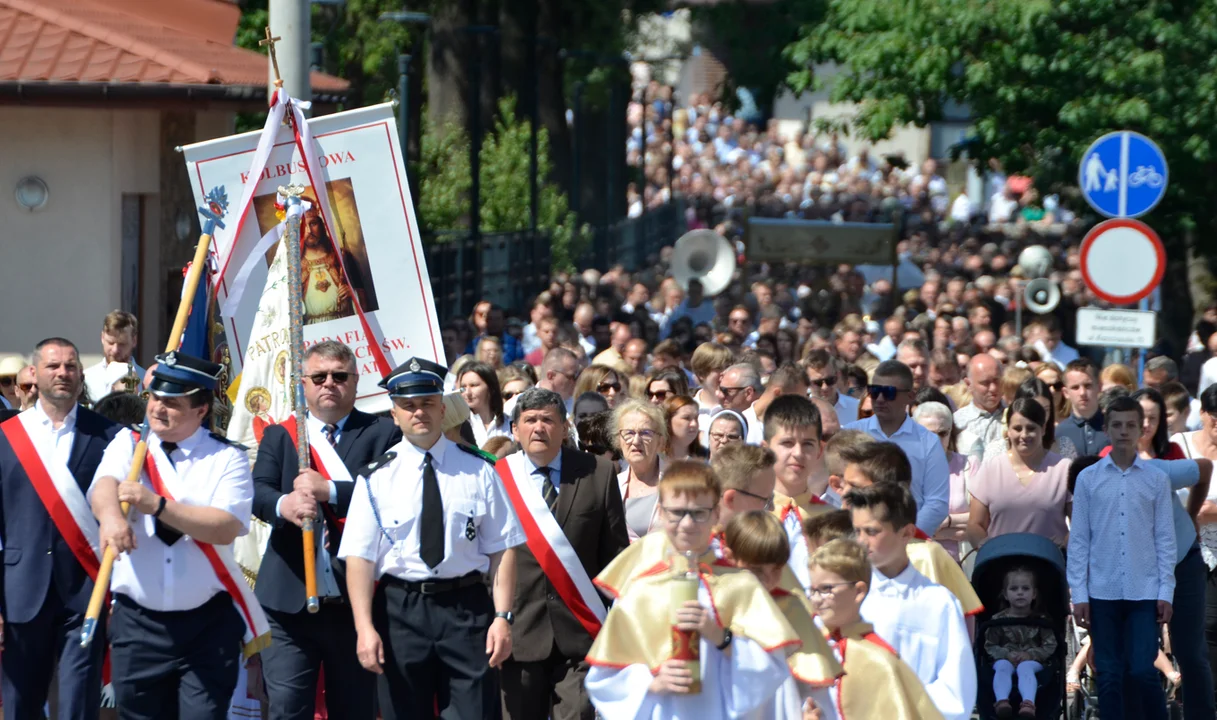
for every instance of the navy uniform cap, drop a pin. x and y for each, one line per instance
(176, 375)
(414, 378)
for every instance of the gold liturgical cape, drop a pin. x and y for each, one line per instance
(932, 560)
(814, 663)
(877, 684)
(638, 631)
(641, 556)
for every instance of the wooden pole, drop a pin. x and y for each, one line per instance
(102, 586)
(295, 301)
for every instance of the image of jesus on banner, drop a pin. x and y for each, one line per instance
(329, 287)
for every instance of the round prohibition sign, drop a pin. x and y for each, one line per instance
(1122, 261)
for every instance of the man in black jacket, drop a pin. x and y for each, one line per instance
(342, 440)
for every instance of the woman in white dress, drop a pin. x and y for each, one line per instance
(480, 387)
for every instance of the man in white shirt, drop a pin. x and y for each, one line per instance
(979, 422)
(823, 378)
(177, 631)
(1122, 565)
(891, 392)
(558, 372)
(921, 620)
(541, 309)
(709, 362)
(119, 334)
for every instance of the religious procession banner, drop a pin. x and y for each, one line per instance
(365, 280)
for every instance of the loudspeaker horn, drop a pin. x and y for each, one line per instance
(706, 256)
(1041, 296)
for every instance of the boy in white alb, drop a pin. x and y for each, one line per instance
(921, 620)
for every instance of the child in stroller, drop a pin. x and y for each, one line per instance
(1020, 649)
(1000, 561)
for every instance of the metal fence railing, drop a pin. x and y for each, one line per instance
(510, 269)
(635, 242)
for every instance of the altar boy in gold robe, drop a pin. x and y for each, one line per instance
(876, 683)
(757, 541)
(743, 637)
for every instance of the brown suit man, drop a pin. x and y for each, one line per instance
(544, 677)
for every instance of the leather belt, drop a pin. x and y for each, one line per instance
(435, 586)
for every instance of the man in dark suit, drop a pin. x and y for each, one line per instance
(342, 440)
(48, 562)
(577, 513)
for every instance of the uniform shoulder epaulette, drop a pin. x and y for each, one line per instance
(226, 441)
(481, 454)
(376, 464)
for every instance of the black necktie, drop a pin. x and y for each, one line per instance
(167, 534)
(431, 525)
(548, 492)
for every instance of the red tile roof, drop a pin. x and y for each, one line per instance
(92, 41)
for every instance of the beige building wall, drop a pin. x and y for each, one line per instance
(61, 265)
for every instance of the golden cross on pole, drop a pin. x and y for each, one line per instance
(274, 60)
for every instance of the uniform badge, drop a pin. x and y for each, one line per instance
(414, 366)
(471, 532)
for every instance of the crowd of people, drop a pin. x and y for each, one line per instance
(811, 457)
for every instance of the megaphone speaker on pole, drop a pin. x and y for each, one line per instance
(1041, 296)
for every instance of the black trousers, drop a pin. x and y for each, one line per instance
(175, 665)
(549, 688)
(300, 645)
(435, 653)
(32, 650)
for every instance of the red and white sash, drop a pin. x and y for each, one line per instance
(165, 481)
(325, 461)
(57, 489)
(551, 547)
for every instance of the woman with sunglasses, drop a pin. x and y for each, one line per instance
(1026, 488)
(640, 431)
(684, 442)
(604, 380)
(665, 383)
(480, 387)
(513, 381)
(936, 417)
(1055, 381)
(726, 428)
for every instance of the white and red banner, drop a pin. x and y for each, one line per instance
(53, 482)
(365, 280)
(550, 545)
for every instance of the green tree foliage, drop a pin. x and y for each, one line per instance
(1043, 79)
(445, 177)
(357, 46)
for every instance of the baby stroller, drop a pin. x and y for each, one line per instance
(994, 559)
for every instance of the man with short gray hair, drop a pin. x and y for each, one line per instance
(739, 387)
(570, 507)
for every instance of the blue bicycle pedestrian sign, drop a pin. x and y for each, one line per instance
(1123, 175)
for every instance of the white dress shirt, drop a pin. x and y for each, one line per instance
(756, 428)
(473, 498)
(1122, 538)
(1208, 375)
(101, 377)
(63, 436)
(481, 433)
(978, 429)
(931, 478)
(178, 577)
(537, 479)
(847, 408)
(923, 622)
(706, 410)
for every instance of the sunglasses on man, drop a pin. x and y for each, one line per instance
(339, 377)
(887, 392)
